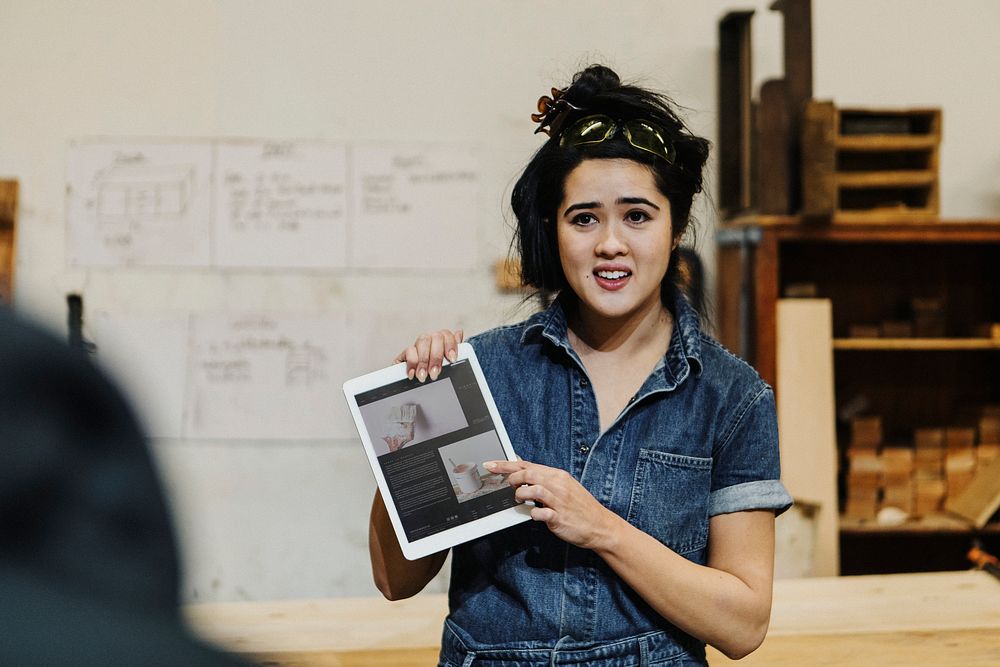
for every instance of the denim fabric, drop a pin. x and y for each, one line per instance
(698, 439)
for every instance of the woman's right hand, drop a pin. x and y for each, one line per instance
(427, 354)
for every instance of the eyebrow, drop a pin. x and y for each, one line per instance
(637, 200)
(620, 200)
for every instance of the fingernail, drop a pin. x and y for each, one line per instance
(435, 371)
(490, 465)
(410, 373)
(421, 375)
(452, 355)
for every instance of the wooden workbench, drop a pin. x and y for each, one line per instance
(941, 618)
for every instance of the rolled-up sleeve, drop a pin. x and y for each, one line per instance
(746, 468)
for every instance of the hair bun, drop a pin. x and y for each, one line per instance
(591, 82)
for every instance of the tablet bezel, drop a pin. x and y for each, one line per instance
(470, 530)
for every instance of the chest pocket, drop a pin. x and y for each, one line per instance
(670, 499)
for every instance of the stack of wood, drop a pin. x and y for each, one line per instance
(930, 486)
(916, 479)
(928, 317)
(989, 436)
(864, 471)
(928, 321)
(980, 499)
(960, 458)
(897, 476)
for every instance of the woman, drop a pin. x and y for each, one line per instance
(650, 451)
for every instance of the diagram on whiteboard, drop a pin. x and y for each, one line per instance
(280, 204)
(272, 204)
(265, 376)
(139, 204)
(132, 196)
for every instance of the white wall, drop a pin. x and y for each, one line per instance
(283, 519)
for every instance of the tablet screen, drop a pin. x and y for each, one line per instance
(431, 440)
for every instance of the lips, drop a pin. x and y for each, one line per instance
(612, 278)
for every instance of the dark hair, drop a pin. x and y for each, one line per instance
(539, 190)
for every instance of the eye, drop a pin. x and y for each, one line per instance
(584, 220)
(637, 216)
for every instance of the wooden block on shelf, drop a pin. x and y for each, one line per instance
(981, 497)
(924, 476)
(929, 495)
(959, 438)
(861, 504)
(928, 317)
(800, 291)
(958, 481)
(863, 481)
(898, 493)
(897, 329)
(989, 430)
(928, 438)
(897, 465)
(987, 330)
(960, 460)
(864, 331)
(924, 505)
(866, 432)
(986, 453)
(928, 327)
(864, 460)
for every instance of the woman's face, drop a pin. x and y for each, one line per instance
(615, 237)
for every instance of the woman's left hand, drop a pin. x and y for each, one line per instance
(566, 507)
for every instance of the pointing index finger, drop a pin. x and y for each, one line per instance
(505, 466)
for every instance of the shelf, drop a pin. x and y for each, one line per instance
(886, 142)
(935, 523)
(885, 179)
(903, 344)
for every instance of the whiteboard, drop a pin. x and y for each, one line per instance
(280, 204)
(415, 207)
(266, 376)
(139, 204)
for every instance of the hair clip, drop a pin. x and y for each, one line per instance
(552, 112)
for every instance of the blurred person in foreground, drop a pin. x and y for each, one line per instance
(89, 569)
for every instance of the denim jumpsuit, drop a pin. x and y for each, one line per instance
(698, 439)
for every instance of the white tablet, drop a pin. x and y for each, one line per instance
(426, 443)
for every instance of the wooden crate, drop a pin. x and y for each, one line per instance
(8, 215)
(860, 165)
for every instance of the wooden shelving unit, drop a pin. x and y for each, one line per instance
(869, 271)
(859, 164)
(916, 344)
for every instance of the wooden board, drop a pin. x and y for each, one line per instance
(772, 179)
(734, 90)
(806, 420)
(981, 498)
(8, 238)
(953, 648)
(942, 619)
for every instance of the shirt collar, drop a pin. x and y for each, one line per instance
(683, 354)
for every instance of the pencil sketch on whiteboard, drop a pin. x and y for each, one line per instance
(424, 197)
(280, 204)
(139, 204)
(265, 377)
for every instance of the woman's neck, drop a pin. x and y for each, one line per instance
(643, 330)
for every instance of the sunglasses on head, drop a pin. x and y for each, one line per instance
(596, 129)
